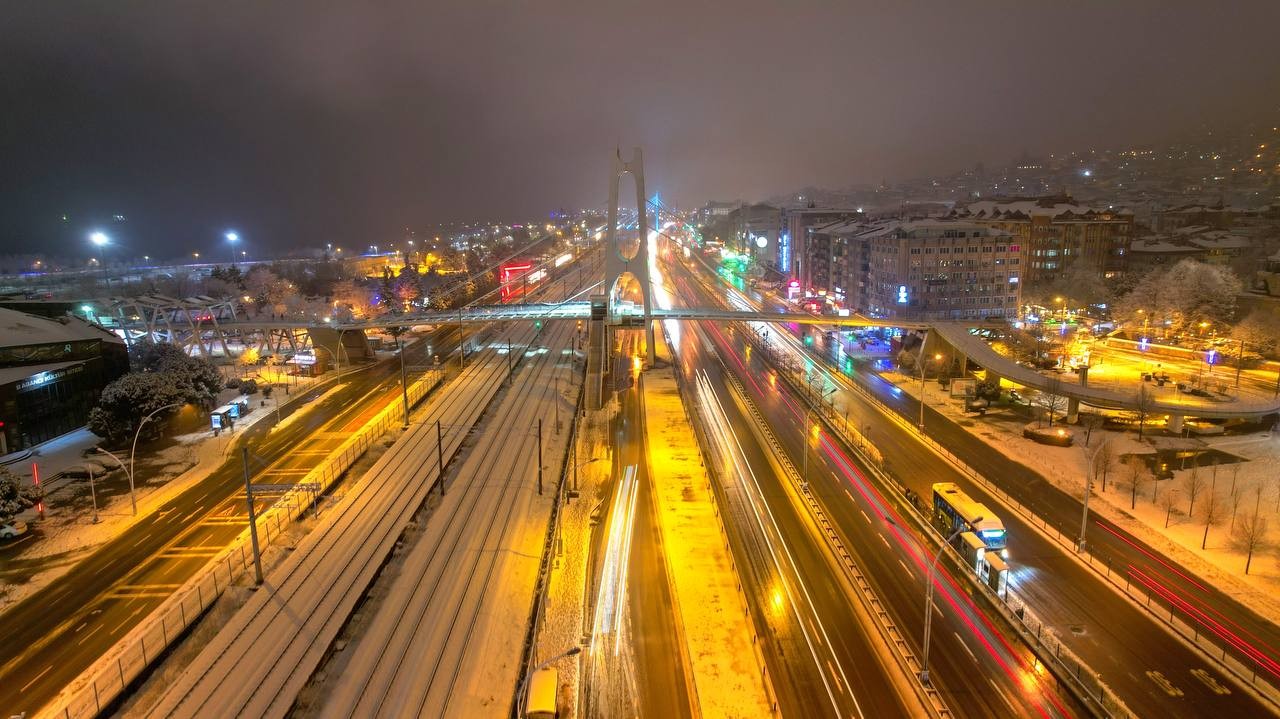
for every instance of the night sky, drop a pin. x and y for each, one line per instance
(299, 126)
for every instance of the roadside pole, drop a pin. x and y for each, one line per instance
(253, 520)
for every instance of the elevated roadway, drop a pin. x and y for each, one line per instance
(977, 349)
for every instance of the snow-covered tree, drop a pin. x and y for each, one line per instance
(1183, 295)
(14, 495)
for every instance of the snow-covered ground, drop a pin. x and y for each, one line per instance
(68, 532)
(717, 628)
(1257, 481)
(563, 621)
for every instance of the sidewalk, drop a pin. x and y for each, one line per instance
(68, 533)
(563, 624)
(1257, 481)
(727, 677)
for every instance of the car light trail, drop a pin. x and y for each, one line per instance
(611, 596)
(728, 443)
(960, 602)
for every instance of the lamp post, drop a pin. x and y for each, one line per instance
(524, 683)
(804, 473)
(928, 602)
(93, 493)
(937, 357)
(232, 239)
(101, 241)
(133, 498)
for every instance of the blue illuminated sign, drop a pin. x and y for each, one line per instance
(902, 294)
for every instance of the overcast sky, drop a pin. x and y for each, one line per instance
(297, 125)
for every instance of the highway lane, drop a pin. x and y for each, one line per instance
(980, 670)
(1150, 670)
(57, 632)
(821, 656)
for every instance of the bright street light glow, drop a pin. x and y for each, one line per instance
(232, 237)
(99, 238)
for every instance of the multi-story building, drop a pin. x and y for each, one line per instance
(51, 373)
(1056, 233)
(798, 252)
(916, 269)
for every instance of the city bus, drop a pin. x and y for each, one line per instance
(953, 509)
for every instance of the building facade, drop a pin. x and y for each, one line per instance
(51, 374)
(1055, 233)
(799, 249)
(917, 269)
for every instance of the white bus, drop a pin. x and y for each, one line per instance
(956, 510)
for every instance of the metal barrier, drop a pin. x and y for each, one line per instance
(1163, 612)
(128, 659)
(1067, 667)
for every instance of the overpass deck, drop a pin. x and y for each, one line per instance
(977, 349)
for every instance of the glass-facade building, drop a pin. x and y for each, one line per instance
(51, 374)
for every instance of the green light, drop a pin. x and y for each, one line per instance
(808, 339)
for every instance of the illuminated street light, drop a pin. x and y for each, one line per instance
(928, 602)
(232, 239)
(101, 240)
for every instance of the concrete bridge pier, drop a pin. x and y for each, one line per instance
(1175, 423)
(1073, 410)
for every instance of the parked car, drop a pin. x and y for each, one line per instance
(13, 529)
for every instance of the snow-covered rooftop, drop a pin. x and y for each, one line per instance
(988, 209)
(18, 329)
(1161, 246)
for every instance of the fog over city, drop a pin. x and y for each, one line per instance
(301, 124)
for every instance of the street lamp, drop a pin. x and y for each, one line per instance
(232, 239)
(524, 684)
(937, 357)
(928, 602)
(132, 497)
(101, 241)
(804, 473)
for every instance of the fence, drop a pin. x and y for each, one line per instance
(1162, 611)
(109, 677)
(1086, 685)
(695, 419)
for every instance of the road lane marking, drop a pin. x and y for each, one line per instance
(1214, 685)
(906, 569)
(966, 647)
(1164, 683)
(140, 541)
(839, 684)
(882, 539)
(864, 514)
(89, 634)
(132, 614)
(37, 678)
(82, 626)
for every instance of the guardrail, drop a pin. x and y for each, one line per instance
(893, 636)
(548, 552)
(1066, 666)
(104, 682)
(1160, 609)
(697, 421)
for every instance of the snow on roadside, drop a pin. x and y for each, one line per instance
(68, 533)
(717, 627)
(1066, 468)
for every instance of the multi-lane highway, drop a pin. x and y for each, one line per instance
(1149, 669)
(979, 669)
(59, 631)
